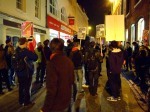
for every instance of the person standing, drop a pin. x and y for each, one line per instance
(3, 71)
(25, 76)
(40, 71)
(77, 59)
(115, 62)
(91, 59)
(128, 56)
(59, 79)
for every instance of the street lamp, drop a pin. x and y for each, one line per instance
(89, 28)
(112, 2)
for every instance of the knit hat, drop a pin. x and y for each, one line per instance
(22, 41)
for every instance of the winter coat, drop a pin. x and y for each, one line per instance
(59, 81)
(3, 63)
(115, 60)
(30, 57)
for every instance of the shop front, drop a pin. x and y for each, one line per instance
(12, 30)
(58, 30)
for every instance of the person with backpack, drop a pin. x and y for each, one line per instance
(77, 59)
(91, 59)
(22, 62)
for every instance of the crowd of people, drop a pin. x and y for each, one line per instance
(62, 68)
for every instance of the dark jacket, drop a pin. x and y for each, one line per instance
(47, 52)
(129, 52)
(115, 61)
(30, 57)
(136, 51)
(3, 63)
(59, 80)
(76, 57)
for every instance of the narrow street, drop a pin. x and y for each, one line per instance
(84, 101)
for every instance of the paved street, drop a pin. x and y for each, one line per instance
(84, 102)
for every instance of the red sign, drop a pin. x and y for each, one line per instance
(71, 20)
(57, 25)
(53, 23)
(27, 29)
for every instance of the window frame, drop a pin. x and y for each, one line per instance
(63, 14)
(37, 8)
(53, 7)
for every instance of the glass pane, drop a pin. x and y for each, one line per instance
(51, 9)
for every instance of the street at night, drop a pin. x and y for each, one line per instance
(84, 101)
(74, 55)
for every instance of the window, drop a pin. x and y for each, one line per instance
(63, 15)
(53, 7)
(127, 6)
(140, 29)
(132, 33)
(21, 4)
(37, 8)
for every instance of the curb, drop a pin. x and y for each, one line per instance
(140, 97)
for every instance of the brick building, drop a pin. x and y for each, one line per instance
(137, 19)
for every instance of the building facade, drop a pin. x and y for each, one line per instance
(15, 12)
(137, 19)
(50, 18)
(64, 17)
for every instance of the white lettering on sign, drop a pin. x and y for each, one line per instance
(54, 24)
(64, 28)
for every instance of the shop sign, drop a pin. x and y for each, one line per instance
(56, 25)
(71, 20)
(11, 23)
(53, 23)
(66, 29)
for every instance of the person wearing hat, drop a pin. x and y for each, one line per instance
(25, 76)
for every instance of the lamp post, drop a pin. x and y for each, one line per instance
(89, 28)
(112, 2)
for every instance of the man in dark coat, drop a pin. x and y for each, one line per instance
(25, 76)
(59, 79)
(115, 62)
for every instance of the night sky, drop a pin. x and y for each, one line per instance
(96, 11)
